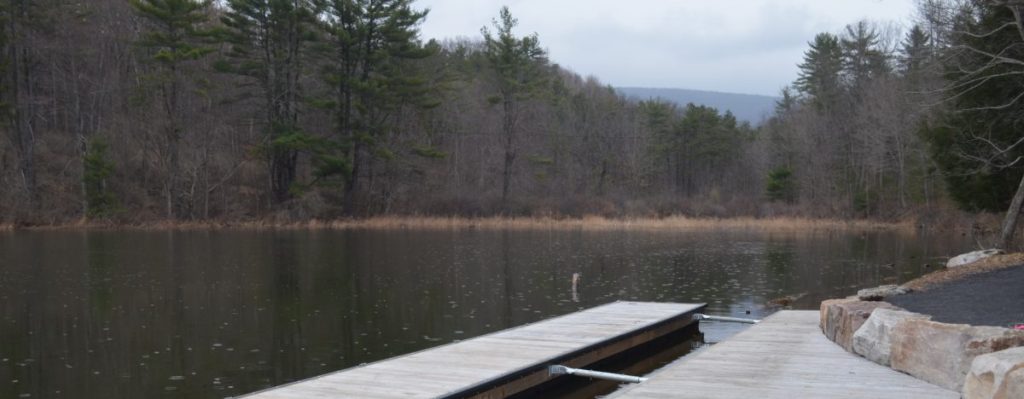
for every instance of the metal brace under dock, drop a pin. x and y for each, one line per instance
(501, 363)
(785, 357)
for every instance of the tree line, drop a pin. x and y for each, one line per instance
(143, 110)
(880, 122)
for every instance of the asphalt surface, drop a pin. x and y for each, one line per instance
(993, 298)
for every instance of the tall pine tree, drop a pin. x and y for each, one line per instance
(369, 48)
(173, 38)
(269, 43)
(862, 60)
(915, 52)
(518, 64)
(819, 77)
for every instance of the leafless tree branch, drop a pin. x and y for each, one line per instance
(1006, 105)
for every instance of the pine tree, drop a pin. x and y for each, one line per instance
(173, 39)
(819, 77)
(780, 186)
(862, 60)
(977, 142)
(786, 103)
(269, 40)
(100, 201)
(369, 48)
(518, 65)
(915, 51)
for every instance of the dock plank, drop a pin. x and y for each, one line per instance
(480, 362)
(785, 356)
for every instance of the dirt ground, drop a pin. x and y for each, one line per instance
(989, 292)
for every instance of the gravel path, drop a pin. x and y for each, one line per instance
(993, 298)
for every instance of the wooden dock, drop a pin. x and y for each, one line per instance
(503, 363)
(786, 356)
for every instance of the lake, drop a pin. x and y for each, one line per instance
(205, 314)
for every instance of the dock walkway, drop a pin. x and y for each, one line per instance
(502, 363)
(785, 356)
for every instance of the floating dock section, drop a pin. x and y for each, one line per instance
(503, 363)
(786, 357)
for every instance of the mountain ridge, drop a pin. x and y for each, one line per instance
(752, 108)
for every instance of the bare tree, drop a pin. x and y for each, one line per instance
(986, 54)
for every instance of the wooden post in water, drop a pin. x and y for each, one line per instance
(575, 285)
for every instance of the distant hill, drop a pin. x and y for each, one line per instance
(747, 107)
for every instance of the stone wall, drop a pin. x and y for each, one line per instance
(982, 362)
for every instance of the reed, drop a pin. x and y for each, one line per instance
(601, 223)
(590, 223)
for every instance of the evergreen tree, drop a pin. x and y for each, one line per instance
(780, 145)
(780, 186)
(173, 39)
(370, 46)
(819, 77)
(269, 41)
(100, 201)
(787, 102)
(977, 142)
(658, 118)
(915, 52)
(862, 60)
(518, 63)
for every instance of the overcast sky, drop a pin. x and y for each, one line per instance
(741, 46)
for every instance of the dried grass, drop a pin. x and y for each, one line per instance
(786, 224)
(989, 264)
(602, 223)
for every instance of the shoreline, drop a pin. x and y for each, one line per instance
(589, 223)
(946, 275)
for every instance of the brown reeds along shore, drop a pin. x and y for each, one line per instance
(594, 223)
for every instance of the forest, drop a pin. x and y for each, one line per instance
(134, 111)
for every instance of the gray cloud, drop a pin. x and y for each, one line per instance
(745, 46)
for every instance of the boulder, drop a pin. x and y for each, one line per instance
(997, 375)
(881, 292)
(872, 340)
(824, 308)
(942, 353)
(844, 318)
(971, 257)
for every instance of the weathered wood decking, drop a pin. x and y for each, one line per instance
(786, 356)
(502, 363)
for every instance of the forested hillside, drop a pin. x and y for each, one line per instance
(148, 110)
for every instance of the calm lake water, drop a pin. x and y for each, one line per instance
(204, 314)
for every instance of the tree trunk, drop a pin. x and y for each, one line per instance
(171, 183)
(506, 175)
(352, 180)
(173, 143)
(21, 85)
(508, 128)
(283, 174)
(1010, 222)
